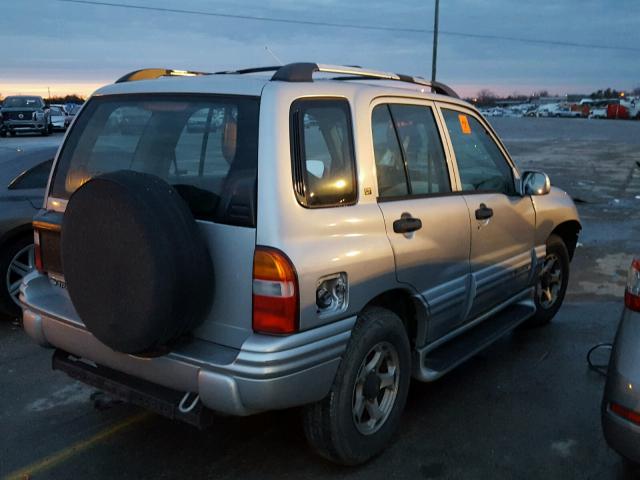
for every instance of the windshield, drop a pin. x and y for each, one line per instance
(22, 102)
(206, 146)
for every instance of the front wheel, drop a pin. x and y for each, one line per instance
(551, 285)
(363, 408)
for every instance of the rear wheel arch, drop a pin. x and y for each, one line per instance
(403, 303)
(568, 231)
(15, 233)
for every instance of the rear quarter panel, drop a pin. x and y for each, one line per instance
(321, 241)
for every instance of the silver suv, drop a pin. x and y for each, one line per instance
(237, 243)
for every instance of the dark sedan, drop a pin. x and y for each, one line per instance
(23, 178)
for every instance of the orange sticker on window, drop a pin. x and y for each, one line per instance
(464, 124)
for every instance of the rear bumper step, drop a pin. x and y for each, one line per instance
(161, 400)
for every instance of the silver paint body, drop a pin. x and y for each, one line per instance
(623, 387)
(454, 269)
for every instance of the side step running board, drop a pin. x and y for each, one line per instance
(433, 362)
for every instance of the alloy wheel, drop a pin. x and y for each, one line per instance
(549, 282)
(21, 264)
(376, 388)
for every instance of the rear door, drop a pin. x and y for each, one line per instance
(428, 228)
(502, 221)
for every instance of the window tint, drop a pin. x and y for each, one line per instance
(407, 145)
(322, 152)
(205, 146)
(392, 178)
(481, 165)
(36, 177)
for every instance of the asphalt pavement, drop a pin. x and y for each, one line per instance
(526, 408)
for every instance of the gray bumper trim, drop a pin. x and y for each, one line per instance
(267, 373)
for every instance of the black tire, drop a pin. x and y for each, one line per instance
(7, 252)
(136, 265)
(12, 133)
(329, 424)
(630, 469)
(545, 311)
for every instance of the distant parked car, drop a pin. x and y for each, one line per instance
(567, 113)
(25, 114)
(58, 118)
(598, 113)
(621, 402)
(23, 178)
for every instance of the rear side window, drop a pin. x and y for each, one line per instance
(409, 155)
(206, 146)
(481, 165)
(324, 172)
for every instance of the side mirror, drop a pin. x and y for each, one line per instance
(535, 183)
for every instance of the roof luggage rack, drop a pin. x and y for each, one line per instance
(298, 72)
(303, 72)
(154, 73)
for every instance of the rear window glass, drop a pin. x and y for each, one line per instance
(205, 146)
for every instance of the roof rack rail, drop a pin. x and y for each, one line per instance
(303, 72)
(249, 70)
(154, 73)
(297, 72)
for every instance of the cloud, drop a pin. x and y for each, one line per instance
(76, 44)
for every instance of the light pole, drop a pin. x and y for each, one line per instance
(435, 42)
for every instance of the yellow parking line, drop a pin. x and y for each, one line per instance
(68, 452)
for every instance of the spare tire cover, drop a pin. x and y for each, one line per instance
(136, 265)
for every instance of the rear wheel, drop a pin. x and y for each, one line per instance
(552, 282)
(16, 261)
(363, 409)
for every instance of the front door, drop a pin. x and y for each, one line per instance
(428, 228)
(502, 221)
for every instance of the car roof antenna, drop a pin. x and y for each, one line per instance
(270, 52)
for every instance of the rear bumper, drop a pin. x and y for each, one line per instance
(623, 388)
(266, 373)
(621, 435)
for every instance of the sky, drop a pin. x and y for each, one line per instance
(62, 47)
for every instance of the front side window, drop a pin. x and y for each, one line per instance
(324, 172)
(206, 146)
(481, 165)
(409, 155)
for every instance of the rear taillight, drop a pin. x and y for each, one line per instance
(275, 292)
(37, 252)
(632, 292)
(625, 413)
